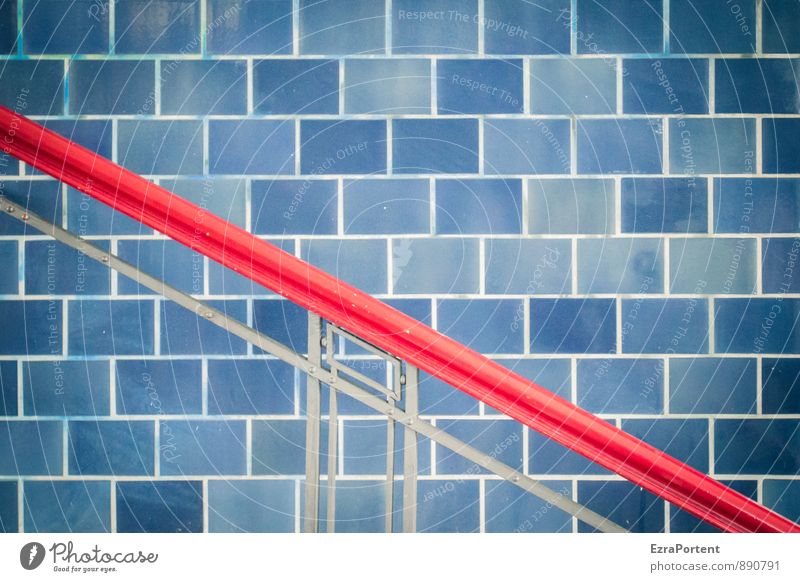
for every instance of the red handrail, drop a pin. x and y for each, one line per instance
(386, 327)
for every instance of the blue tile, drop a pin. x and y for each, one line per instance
(158, 387)
(167, 260)
(253, 146)
(448, 506)
(681, 521)
(306, 86)
(714, 26)
(552, 374)
(38, 324)
(522, 28)
(501, 439)
(417, 265)
(392, 206)
(183, 332)
(364, 446)
(479, 86)
(9, 166)
(757, 326)
(478, 207)
(724, 265)
(59, 28)
(619, 146)
(518, 146)
(619, 26)
(485, 325)
(204, 447)
(343, 147)
(780, 145)
(757, 446)
(387, 86)
(612, 386)
(53, 268)
(757, 86)
(436, 146)
(620, 265)
(629, 505)
(31, 448)
(157, 26)
(547, 457)
(255, 27)
(161, 147)
(66, 388)
(663, 205)
(8, 388)
(528, 266)
(279, 447)
(675, 326)
(224, 281)
(712, 385)
(781, 25)
(679, 86)
(112, 87)
(572, 326)
(282, 207)
(782, 496)
(768, 205)
(357, 26)
(87, 216)
(571, 206)
(284, 321)
(33, 87)
(95, 135)
(573, 86)
(712, 145)
(685, 439)
(360, 506)
(434, 26)
(251, 506)
(98, 327)
(220, 196)
(250, 387)
(779, 257)
(781, 392)
(9, 517)
(361, 263)
(8, 31)
(67, 506)
(438, 397)
(109, 447)
(9, 277)
(160, 507)
(509, 509)
(203, 87)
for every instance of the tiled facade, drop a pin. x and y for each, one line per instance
(602, 194)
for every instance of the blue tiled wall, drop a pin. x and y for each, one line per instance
(603, 195)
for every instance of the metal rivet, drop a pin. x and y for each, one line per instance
(402, 378)
(10, 209)
(333, 380)
(410, 421)
(312, 369)
(209, 314)
(323, 342)
(515, 478)
(104, 258)
(390, 411)
(25, 216)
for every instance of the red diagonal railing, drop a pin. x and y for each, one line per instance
(386, 327)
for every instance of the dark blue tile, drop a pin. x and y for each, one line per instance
(629, 505)
(522, 28)
(160, 507)
(33, 87)
(448, 506)
(157, 26)
(780, 141)
(8, 31)
(112, 87)
(781, 24)
(782, 496)
(619, 146)
(619, 26)
(479, 86)
(253, 146)
(56, 27)
(250, 387)
(255, 27)
(364, 446)
(54, 268)
(66, 388)
(529, 266)
(9, 277)
(757, 446)
(572, 326)
(573, 86)
(343, 147)
(224, 281)
(681, 521)
(478, 207)
(158, 387)
(38, 325)
(203, 87)
(251, 506)
(612, 386)
(485, 325)
(183, 332)
(284, 321)
(780, 393)
(67, 506)
(387, 86)
(120, 447)
(552, 374)
(712, 145)
(31, 448)
(87, 216)
(8, 388)
(509, 509)
(357, 26)
(95, 135)
(653, 326)
(361, 263)
(279, 447)
(712, 26)
(282, 207)
(448, 146)
(9, 513)
(768, 205)
(756, 86)
(387, 206)
(417, 265)
(547, 457)
(620, 265)
(684, 439)
(779, 257)
(296, 86)
(205, 447)
(679, 86)
(221, 196)
(757, 326)
(434, 26)
(167, 260)
(99, 327)
(520, 146)
(723, 265)
(712, 385)
(438, 397)
(662, 205)
(571, 206)
(9, 165)
(161, 147)
(501, 439)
